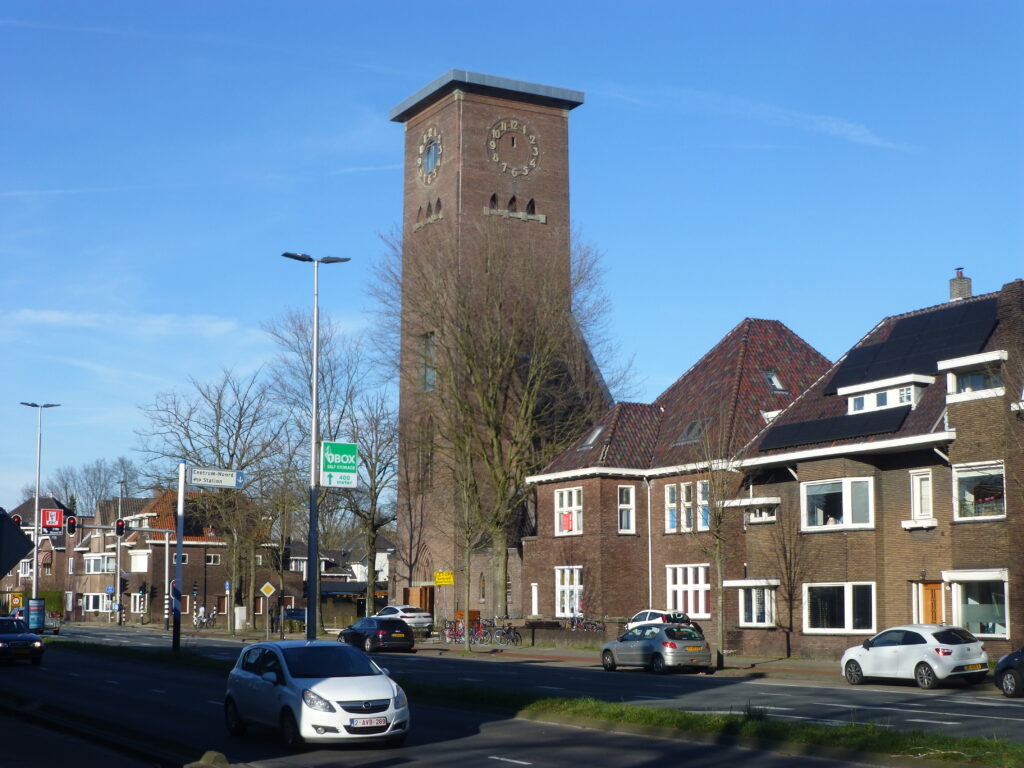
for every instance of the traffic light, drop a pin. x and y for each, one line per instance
(195, 589)
(152, 591)
(142, 588)
(72, 524)
(120, 527)
(123, 585)
(16, 519)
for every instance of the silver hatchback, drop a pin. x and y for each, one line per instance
(658, 648)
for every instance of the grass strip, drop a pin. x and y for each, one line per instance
(752, 727)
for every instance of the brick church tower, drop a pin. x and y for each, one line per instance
(486, 159)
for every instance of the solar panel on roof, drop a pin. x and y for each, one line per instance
(834, 428)
(915, 344)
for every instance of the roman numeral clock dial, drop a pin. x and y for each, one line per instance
(513, 148)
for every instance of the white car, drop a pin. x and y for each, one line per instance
(925, 653)
(654, 616)
(413, 615)
(314, 691)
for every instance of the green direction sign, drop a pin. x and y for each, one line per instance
(338, 464)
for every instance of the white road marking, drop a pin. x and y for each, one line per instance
(508, 760)
(655, 698)
(933, 722)
(550, 688)
(75, 674)
(471, 679)
(156, 690)
(900, 709)
(975, 702)
(759, 706)
(214, 702)
(823, 722)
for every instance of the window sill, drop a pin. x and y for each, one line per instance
(627, 533)
(985, 519)
(839, 631)
(761, 522)
(837, 528)
(924, 522)
(981, 394)
(756, 626)
(561, 534)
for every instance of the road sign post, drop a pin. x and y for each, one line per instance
(339, 465)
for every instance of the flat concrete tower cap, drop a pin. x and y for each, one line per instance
(477, 83)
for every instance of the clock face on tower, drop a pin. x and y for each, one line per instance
(428, 155)
(513, 148)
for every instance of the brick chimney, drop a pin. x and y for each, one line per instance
(959, 286)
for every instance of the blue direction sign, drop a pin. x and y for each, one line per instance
(110, 589)
(210, 477)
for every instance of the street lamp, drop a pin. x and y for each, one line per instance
(35, 521)
(313, 550)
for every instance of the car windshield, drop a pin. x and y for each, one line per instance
(328, 661)
(682, 633)
(954, 636)
(12, 626)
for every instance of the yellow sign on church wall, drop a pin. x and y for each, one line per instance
(444, 578)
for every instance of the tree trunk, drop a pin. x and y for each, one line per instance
(499, 568)
(371, 567)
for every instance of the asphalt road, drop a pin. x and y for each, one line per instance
(184, 709)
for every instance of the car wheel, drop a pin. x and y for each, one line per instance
(657, 664)
(232, 719)
(290, 734)
(925, 676)
(1010, 684)
(711, 669)
(608, 661)
(854, 674)
(368, 645)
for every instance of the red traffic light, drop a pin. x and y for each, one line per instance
(16, 519)
(120, 527)
(72, 524)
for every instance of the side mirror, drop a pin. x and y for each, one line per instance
(622, 637)
(867, 645)
(270, 677)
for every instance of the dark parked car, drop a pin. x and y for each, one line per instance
(17, 643)
(295, 614)
(1009, 674)
(376, 634)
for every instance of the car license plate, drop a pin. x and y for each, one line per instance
(367, 722)
(21, 651)
(974, 666)
(694, 648)
(398, 634)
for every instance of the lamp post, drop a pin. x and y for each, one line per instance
(35, 520)
(313, 549)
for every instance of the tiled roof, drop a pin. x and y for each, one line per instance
(107, 509)
(725, 392)
(165, 509)
(923, 352)
(27, 508)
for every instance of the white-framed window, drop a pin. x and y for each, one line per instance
(184, 558)
(591, 439)
(836, 504)
(213, 559)
(25, 568)
(99, 563)
(297, 565)
(688, 589)
(757, 606)
(775, 381)
(259, 559)
(71, 563)
(257, 607)
(627, 509)
(703, 505)
(974, 377)
(671, 508)
(921, 494)
(428, 361)
(857, 403)
(979, 491)
(568, 511)
(978, 380)
(765, 514)
(94, 602)
(980, 600)
(569, 590)
(686, 519)
(138, 603)
(839, 608)
(906, 396)
(139, 562)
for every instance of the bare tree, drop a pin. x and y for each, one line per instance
(495, 341)
(231, 422)
(83, 487)
(788, 557)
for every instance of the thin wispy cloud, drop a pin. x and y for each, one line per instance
(759, 111)
(364, 169)
(138, 326)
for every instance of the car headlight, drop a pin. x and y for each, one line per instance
(37, 644)
(400, 700)
(317, 702)
(3, 644)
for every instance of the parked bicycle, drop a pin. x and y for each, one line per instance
(205, 620)
(453, 632)
(507, 635)
(582, 624)
(479, 635)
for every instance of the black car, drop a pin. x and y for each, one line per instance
(17, 643)
(1009, 674)
(376, 634)
(295, 614)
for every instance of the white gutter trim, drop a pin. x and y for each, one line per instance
(962, 362)
(779, 458)
(752, 502)
(750, 583)
(838, 450)
(909, 378)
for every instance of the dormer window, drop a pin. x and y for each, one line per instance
(692, 433)
(888, 393)
(974, 377)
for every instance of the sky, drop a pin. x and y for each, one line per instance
(825, 164)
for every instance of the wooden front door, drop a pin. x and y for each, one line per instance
(931, 602)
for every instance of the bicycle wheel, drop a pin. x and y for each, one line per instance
(501, 638)
(516, 637)
(485, 637)
(589, 626)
